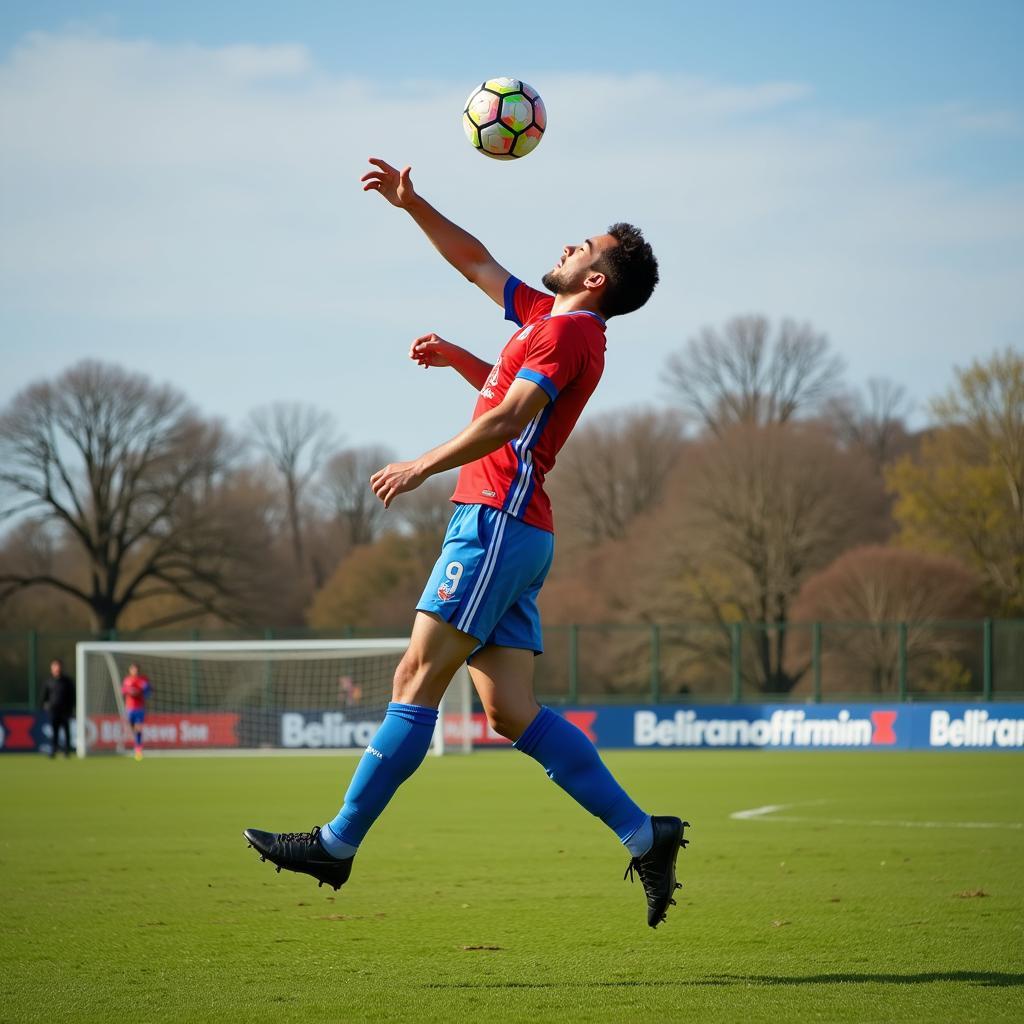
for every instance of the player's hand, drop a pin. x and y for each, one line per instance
(393, 184)
(394, 479)
(431, 350)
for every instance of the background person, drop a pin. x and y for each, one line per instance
(59, 704)
(350, 693)
(135, 689)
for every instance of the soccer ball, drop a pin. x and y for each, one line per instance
(504, 118)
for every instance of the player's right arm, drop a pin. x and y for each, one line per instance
(432, 350)
(463, 251)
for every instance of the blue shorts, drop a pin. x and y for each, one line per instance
(486, 581)
(136, 717)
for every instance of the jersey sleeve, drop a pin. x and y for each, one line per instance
(555, 355)
(523, 303)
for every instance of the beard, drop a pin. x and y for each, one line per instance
(559, 283)
(552, 282)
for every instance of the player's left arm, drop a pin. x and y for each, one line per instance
(432, 350)
(486, 434)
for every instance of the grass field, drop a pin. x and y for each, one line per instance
(128, 894)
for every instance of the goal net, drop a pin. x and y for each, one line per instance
(255, 696)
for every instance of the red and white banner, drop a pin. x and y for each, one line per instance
(482, 735)
(163, 731)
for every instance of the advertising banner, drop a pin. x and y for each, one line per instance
(22, 732)
(482, 735)
(29, 731)
(319, 729)
(165, 731)
(994, 726)
(957, 726)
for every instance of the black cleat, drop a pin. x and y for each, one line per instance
(300, 851)
(657, 867)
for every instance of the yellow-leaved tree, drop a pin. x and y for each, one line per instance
(964, 493)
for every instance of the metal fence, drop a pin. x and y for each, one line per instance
(686, 662)
(806, 662)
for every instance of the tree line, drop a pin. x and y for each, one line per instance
(764, 491)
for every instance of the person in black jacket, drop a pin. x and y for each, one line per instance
(59, 702)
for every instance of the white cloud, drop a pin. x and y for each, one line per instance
(196, 212)
(967, 117)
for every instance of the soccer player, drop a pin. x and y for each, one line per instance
(135, 689)
(480, 603)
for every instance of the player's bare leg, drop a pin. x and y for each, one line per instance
(503, 677)
(435, 653)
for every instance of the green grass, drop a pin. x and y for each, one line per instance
(484, 894)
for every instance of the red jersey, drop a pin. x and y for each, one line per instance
(562, 353)
(135, 690)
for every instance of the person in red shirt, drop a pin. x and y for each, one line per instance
(479, 604)
(135, 688)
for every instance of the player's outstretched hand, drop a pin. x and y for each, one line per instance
(394, 479)
(431, 350)
(393, 184)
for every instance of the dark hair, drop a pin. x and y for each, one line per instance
(630, 268)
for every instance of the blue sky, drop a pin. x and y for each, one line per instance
(859, 55)
(178, 187)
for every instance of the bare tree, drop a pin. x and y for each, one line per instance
(131, 477)
(398, 565)
(760, 510)
(425, 512)
(871, 594)
(296, 438)
(874, 420)
(34, 548)
(397, 559)
(614, 469)
(744, 374)
(345, 491)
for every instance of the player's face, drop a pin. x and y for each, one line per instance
(569, 273)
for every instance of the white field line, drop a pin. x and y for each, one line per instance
(767, 813)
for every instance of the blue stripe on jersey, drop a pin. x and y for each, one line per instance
(538, 378)
(510, 308)
(524, 459)
(523, 481)
(531, 483)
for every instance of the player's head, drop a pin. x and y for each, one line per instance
(618, 267)
(56, 667)
(630, 269)
(133, 669)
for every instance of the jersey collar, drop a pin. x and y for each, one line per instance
(576, 312)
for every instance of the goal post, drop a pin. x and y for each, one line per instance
(259, 696)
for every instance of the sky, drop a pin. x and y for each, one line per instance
(179, 189)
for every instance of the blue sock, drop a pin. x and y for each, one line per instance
(573, 762)
(395, 752)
